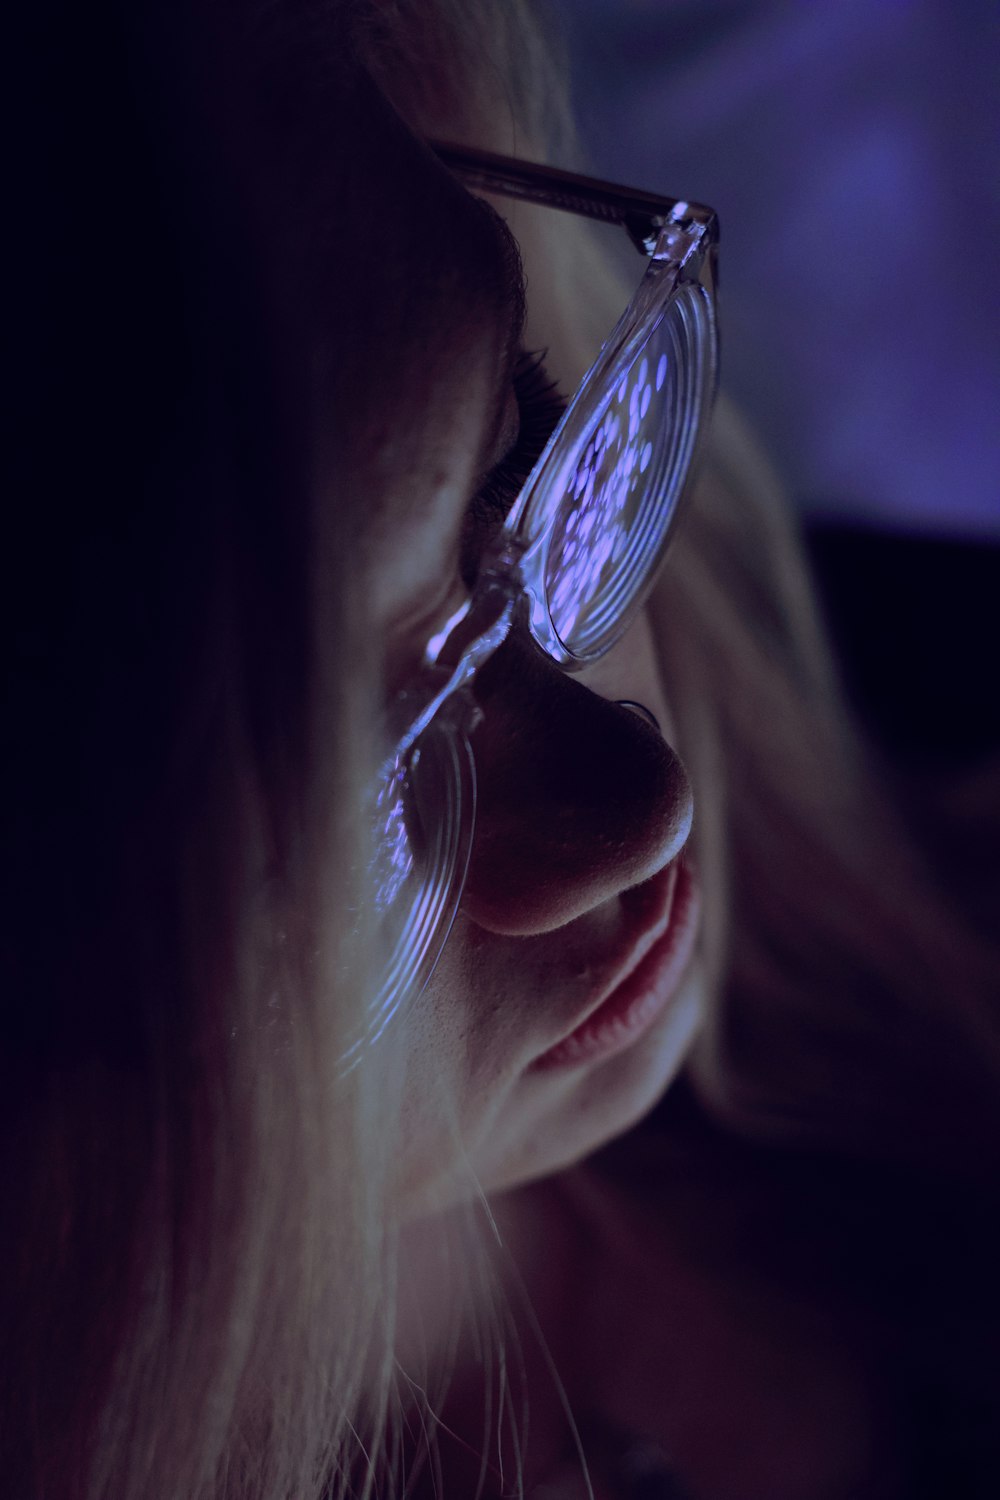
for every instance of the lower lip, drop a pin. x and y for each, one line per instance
(643, 995)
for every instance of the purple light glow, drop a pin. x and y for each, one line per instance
(393, 861)
(604, 498)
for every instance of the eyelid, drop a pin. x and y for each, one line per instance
(541, 406)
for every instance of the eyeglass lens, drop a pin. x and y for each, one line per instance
(620, 498)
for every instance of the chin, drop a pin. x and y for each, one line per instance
(563, 1116)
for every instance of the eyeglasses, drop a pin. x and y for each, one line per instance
(575, 558)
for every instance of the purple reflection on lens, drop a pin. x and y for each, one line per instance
(604, 495)
(393, 860)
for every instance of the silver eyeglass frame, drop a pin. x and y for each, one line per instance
(680, 241)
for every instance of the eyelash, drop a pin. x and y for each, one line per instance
(541, 405)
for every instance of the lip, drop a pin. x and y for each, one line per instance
(645, 989)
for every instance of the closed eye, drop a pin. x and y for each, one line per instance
(540, 408)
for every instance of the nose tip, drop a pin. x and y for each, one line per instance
(578, 799)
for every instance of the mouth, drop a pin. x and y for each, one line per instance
(641, 995)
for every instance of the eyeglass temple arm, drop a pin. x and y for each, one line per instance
(643, 215)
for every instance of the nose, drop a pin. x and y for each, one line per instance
(578, 797)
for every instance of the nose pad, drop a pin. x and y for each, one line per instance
(576, 800)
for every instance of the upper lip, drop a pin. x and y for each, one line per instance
(653, 902)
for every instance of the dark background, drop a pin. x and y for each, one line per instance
(851, 150)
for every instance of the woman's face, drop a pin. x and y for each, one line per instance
(568, 992)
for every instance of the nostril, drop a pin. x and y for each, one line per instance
(576, 801)
(642, 711)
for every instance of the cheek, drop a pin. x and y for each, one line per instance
(464, 1049)
(417, 475)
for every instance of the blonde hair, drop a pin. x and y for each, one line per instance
(194, 1232)
(199, 1289)
(858, 1004)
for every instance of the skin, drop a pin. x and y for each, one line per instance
(580, 801)
(581, 804)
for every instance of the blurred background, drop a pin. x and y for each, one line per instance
(851, 150)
